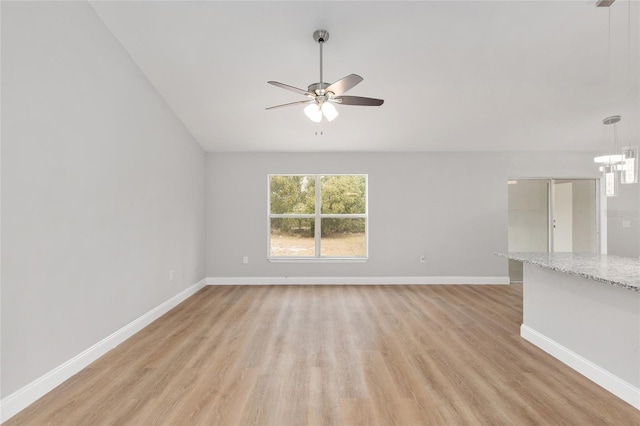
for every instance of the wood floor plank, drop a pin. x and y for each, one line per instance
(332, 355)
(324, 406)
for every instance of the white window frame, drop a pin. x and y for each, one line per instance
(318, 216)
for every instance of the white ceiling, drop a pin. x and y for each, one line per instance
(478, 76)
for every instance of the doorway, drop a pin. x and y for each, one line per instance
(552, 215)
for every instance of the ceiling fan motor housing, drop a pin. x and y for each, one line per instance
(318, 88)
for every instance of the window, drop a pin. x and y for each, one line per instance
(317, 217)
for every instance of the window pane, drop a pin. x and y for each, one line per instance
(343, 194)
(292, 194)
(292, 237)
(343, 238)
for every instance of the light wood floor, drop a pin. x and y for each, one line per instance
(295, 355)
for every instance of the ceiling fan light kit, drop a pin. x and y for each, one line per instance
(322, 96)
(329, 111)
(313, 112)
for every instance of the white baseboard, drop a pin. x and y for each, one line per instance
(355, 280)
(620, 388)
(22, 398)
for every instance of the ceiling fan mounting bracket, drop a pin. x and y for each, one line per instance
(321, 36)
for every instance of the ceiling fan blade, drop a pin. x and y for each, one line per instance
(344, 84)
(293, 89)
(291, 104)
(358, 100)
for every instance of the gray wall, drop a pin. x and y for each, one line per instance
(420, 204)
(451, 207)
(102, 190)
(599, 323)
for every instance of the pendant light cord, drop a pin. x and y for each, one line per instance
(629, 76)
(605, 133)
(609, 49)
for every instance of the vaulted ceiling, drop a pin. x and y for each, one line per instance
(455, 75)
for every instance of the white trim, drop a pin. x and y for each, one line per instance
(355, 280)
(620, 388)
(22, 398)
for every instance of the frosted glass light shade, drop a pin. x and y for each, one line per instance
(629, 172)
(329, 111)
(611, 179)
(313, 112)
(609, 159)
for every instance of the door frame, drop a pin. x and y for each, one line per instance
(600, 207)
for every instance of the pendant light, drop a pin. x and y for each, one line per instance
(629, 169)
(611, 163)
(611, 181)
(619, 165)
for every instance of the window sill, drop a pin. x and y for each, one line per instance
(317, 259)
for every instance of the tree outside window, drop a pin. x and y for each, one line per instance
(317, 216)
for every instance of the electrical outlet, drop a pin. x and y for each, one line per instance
(245, 259)
(423, 259)
(171, 275)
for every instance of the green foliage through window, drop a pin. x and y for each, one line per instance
(339, 209)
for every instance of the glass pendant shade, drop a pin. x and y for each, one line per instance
(611, 179)
(629, 172)
(313, 112)
(613, 166)
(329, 111)
(609, 159)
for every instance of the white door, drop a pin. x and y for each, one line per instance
(562, 216)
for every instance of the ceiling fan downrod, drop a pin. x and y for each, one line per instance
(321, 36)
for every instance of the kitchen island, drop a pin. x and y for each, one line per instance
(584, 309)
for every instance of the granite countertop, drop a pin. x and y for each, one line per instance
(614, 270)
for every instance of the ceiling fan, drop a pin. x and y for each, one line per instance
(323, 95)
